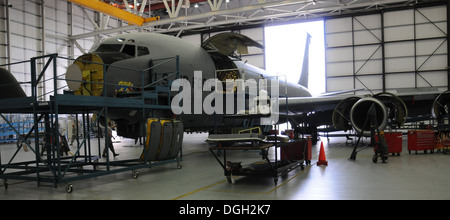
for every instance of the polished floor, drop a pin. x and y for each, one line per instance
(408, 176)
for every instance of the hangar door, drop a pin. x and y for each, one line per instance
(388, 50)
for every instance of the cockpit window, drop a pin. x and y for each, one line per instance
(129, 49)
(109, 48)
(143, 51)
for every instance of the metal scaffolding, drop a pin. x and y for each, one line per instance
(53, 163)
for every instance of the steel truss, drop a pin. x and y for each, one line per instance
(217, 13)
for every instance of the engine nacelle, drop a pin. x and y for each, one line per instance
(352, 112)
(360, 111)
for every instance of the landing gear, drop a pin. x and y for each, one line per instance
(69, 187)
(134, 174)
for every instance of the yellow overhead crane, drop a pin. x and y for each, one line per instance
(105, 8)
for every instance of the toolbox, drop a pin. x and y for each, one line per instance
(299, 150)
(394, 141)
(419, 140)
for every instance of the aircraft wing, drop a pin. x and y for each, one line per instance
(337, 110)
(329, 101)
(300, 105)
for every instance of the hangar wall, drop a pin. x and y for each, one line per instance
(31, 28)
(387, 50)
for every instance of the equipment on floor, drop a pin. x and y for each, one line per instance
(322, 157)
(371, 125)
(53, 162)
(421, 140)
(394, 141)
(163, 141)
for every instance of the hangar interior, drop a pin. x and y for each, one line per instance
(370, 46)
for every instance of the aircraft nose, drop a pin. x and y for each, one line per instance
(74, 77)
(9, 87)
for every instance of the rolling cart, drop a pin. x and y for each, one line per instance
(268, 167)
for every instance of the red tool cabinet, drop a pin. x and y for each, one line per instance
(300, 150)
(394, 142)
(421, 140)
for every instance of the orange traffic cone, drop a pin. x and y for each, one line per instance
(322, 158)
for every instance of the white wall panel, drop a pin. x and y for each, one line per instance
(399, 49)
(339, 83)
(435, 62)
(399, 33)
(367, 37)
(436, 78)
(368, 67)
(339, 39)
(397, 18)
(340, 69)
(403, 80)
(353, 50)
(370, 82)
(339, 54)
(339, 25)
(412, 49)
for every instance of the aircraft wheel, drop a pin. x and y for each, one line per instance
(374, 158)
(69, 187)
(135, 174)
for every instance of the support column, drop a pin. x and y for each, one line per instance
(448, 46)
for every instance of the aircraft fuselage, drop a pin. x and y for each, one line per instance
(126, 55)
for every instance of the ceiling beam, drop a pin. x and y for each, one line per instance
(108, 9)
(231, 11)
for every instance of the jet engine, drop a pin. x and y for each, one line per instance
(441, 106)
(352, 112)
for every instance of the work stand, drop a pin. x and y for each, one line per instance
(377, 140)
(51, 162)
(270, 167)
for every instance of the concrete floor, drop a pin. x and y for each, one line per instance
(409, 176)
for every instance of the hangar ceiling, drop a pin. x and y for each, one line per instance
(178, 16)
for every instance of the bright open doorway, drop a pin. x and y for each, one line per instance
(284, 49)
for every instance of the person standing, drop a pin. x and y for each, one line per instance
(74, 134)
(110, 144)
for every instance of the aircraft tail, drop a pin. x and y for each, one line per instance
(303, 81)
